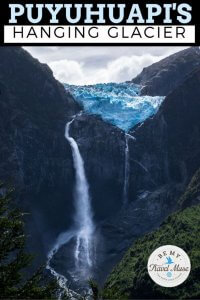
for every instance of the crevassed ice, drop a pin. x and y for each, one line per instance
(118, 103)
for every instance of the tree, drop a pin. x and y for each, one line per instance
(94, 288)
(14, 283)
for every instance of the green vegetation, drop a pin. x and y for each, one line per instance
(14, 283)
(94, 289)
(130, 279)
(192, 191)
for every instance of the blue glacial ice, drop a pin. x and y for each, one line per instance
(121, 104)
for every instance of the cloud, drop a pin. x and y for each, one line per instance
(68, 71)
(127, 67)
(90, 65)
(121, 69)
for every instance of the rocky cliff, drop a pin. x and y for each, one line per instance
(36, 158)
(103, 148)
(162, 77)
(168, 145)
(163, 157)
(34, 106)
(192, 194)
(130, 279)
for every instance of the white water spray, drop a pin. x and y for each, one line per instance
(83, 224)
(62, 280)
(83, 216)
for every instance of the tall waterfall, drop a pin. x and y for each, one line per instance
(83, 215)
(126, 171)
(83, 228)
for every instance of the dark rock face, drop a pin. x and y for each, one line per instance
(37, 159)
(35, 156)
(191, 195)
(102, 147)
(163, 159)
(168, 145)
(142, 215)
(34, 109)
(162, 77)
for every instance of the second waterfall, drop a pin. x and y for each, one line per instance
(83, 219)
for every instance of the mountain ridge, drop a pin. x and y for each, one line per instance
(160, 78)
(37, 159)
(163, 158)
(35, 156)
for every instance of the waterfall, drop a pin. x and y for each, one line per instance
(127, 167)
(126, 171)
(83, 215)
(62, 280)
(83, 228)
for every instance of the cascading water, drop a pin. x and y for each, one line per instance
(122, 105)
(61, 279)
(83, 216)
(83, 227)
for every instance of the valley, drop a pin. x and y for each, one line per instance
(97, 166)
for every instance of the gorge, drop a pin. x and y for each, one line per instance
(115, 170)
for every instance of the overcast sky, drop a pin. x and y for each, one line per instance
(90, 65)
